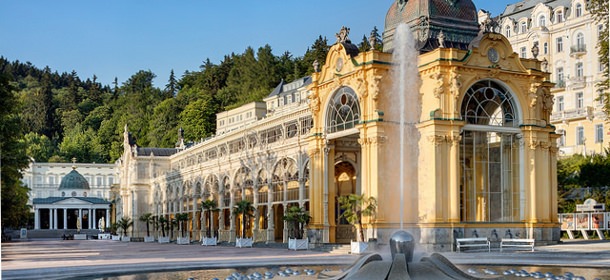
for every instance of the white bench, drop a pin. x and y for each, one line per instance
(517, 242)
(473, 242)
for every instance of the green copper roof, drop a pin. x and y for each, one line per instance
(74, 181)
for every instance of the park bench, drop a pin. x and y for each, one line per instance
(472, 242)
(517, 243)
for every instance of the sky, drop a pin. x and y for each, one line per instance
(117, 38)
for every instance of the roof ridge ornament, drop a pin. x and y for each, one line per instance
(73, 163)
(343, 35)
(490, 25)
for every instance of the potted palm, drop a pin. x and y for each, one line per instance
(246, 210)
(354, 208)
(296, 218)
(113, 232)
(183, 238)
(147, 218)
(163, 223)
(124, 224)
(209, 206)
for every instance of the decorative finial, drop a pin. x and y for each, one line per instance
(342, 36)
(535, 50)
(74, 163)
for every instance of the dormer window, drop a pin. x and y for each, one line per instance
(578, 10)
(542, 21)
(507, 30)
(559, 16)
(523, 27)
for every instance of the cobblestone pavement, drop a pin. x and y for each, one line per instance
(57, 259)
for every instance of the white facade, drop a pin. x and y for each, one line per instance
(566, 36)
(43, 179)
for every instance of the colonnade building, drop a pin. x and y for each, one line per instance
(477, 156)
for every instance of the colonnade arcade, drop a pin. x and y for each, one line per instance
(270, 190)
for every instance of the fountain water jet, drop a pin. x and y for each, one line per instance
(406, 85)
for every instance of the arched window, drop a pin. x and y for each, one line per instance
(580, 41)
(578, 10)
(542, 21)
(507, 30)
(523, 27)
(489, 154)
(559, 16)
(487, 103)
(343, 111)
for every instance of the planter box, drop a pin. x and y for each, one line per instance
(116, 238)
(102, 236)
(164, 239)
(183, 241)
(149, 239)
(80, 236)
(243, 242)
(126, 239)
(359, 247)
(298, 244)
(209, 241)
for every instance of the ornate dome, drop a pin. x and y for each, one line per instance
(74, 181)
(457, 19)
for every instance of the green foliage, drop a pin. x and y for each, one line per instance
(124, 224)
(39, 147)
(297, 218)
(146, 218)
(181, 218)
(246, 210)
(209, 205)
(13, 157)
(581, 177)
(355, 207)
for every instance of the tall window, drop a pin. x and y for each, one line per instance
(580, 135)
(559, 16)
(561, 141)
(559, 44)
(489, 153)
(599, 133)
(542, 21)
(560, 105)
(523, 53)
(343, 111)
(580, 101)
(523, 27)
(559, 73)
(579, 70)
(580, 41)
(578, 10)
(545, 48)
(507, 30)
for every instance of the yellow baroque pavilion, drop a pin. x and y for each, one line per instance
(476, 156)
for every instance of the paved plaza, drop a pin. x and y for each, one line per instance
(57, 259)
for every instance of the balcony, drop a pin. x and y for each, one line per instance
(560, 84)
(573, 114)
(578, 50)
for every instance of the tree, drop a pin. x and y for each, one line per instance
(163, 123)
(364, 45)
(599, 10)
(377, 38)
(146, 218)
(163, 225)
(354, 208)
(246, 210)
(124, 224)
(39, 147)
(209, 206)
(199, 118)
(171, 88)
(318, 51)
(297, 218)
(13, 159)
(181, 218)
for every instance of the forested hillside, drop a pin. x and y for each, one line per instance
(69, 116)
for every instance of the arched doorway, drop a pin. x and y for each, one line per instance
(490, 153)
(345, 184)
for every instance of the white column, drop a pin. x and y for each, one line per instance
(80, 218)
(54, 218)
(93, 219)
(65, 218)
(107, 217)
(36, 218)
(326, 233)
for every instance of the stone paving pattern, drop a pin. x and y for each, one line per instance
(57, 259)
